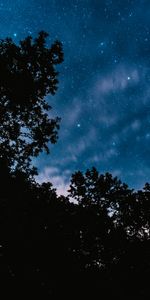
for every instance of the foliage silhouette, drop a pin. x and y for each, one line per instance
(28, 74)
(51, 246)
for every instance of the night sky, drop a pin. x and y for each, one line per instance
(104, 83)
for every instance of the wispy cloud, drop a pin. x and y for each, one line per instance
(72, 114)
(117, 80)
(83, 143)
(56, 177)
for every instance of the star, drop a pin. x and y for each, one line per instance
(103, 80)
(102, 44)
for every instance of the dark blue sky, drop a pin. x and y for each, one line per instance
(104, 90)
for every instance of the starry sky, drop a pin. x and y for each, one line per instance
(104, 84)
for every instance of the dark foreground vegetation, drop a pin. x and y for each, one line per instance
(50, 247)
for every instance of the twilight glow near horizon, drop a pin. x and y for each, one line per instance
(103, 97)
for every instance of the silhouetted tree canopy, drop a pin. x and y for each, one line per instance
(50, 245)
(92, 242)
(126, 207)
(27, 76)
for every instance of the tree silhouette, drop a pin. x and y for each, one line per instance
(51, 246)
(99, 197)
(28, 74)
(97, 189)
(119, 230)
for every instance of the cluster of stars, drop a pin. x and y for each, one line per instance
(98, 37)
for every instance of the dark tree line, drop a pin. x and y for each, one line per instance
(98, 245)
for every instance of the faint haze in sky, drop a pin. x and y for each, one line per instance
(104, 90)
